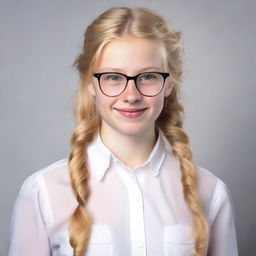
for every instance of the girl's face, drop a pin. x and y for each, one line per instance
(130, 113)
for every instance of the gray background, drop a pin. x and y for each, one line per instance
(39, 41)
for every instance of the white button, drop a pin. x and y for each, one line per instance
(140, 243)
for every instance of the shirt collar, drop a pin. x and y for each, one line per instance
(100, 157)
(157, 155)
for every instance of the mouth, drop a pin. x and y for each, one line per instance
(131, 112)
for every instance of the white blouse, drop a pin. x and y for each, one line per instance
(136, 212)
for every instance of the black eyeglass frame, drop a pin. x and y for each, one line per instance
(134, 78)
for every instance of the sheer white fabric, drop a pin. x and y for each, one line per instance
(135, 212)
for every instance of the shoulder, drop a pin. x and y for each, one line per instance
(214, 193)
(35, 181)
(33, 199)
(208, 180)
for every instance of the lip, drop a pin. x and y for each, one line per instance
(130, 112)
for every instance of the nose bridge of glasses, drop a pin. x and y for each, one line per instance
(132, 88)
(133, 78)
(134, 83)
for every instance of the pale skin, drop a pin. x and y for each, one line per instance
(131, 139)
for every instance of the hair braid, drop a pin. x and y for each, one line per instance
(170, 122)
(80, 221)
(83, 135)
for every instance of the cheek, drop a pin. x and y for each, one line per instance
(103, 102)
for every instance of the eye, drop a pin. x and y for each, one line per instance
(112, 77)
(147, 76)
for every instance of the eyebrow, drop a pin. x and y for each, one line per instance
(109, 69)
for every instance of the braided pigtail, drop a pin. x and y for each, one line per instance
(83, 135)
(171, 124)
(80, 222)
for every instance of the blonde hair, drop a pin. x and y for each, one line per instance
(112, 24)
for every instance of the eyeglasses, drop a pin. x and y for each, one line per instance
(148, 84)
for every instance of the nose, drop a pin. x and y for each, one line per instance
(131, 93)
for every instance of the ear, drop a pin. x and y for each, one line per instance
(91, 89)
(168, 88)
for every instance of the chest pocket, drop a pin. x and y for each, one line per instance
(178, 240)
(100, 241)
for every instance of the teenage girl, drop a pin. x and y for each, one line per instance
(129, 187)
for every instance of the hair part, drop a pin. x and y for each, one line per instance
(113, 24)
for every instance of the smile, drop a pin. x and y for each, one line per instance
(130, 113)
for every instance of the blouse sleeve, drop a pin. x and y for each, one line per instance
(27, 230)
(222, 240)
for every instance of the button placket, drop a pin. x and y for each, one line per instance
(137, 221)
(136, 212)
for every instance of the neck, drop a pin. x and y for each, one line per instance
(132, 150)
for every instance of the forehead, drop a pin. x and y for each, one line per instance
(131, 54)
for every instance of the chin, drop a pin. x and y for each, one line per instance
(132, 130)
